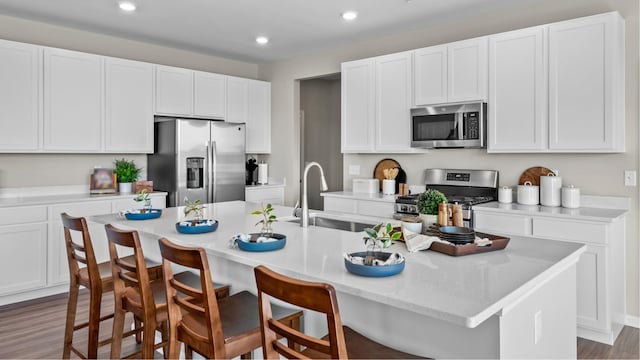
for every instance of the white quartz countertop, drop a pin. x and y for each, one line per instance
(26, 200)
(582, 213)
(360, 196)
(463, 290)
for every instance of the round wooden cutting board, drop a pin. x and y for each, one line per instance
(533, 174)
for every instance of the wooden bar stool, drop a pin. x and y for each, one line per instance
(342, 342)
(141, 295)
(94, 276)
(216, 329)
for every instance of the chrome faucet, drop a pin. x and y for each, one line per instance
(304, 221)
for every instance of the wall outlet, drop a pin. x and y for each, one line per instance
(630, 178)
(354, 169)
(537, 324)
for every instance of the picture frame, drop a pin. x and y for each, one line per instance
(103, 181)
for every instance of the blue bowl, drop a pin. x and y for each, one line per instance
(373, 271)
(150, 214)
(262, 246)
(199, 229)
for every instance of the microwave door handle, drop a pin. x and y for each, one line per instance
(459, 128)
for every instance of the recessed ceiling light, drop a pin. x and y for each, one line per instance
(349, 15)
(262, 40)
(127, 6)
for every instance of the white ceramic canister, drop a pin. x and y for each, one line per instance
(550, 190)
(388, 186)
(505, 195)
(571, 197)
(528, 194)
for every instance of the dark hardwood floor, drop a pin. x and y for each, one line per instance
(35, 330)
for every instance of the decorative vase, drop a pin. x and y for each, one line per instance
(428, 220)
(125, 188)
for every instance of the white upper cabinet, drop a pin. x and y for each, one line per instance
(73, 100)
(517, 108)
(249, 102)
(358, 106)
(209, 95)
(129, 106)
(393, 101)
(453, 72)
(20, 96)
(258, 128)
(376, 99)
(586, 84)
(174, 91)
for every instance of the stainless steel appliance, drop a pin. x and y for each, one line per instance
(465, 187)
(460, 125)
(198, 159)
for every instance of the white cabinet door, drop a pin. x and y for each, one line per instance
(209, 98)
(174, 91)
(237, 99)
(274, 196)
(430, 75)
(591, 288)
(23, 259)
(358, 106)
(73, 99)
(57, 263)
(258, 122)
(586, 84)
(517, 91)
(393, 101)
(20, 96)
(129, 106)
(467, 70)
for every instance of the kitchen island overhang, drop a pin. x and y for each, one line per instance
(518, 302)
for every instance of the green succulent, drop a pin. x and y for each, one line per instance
(428, 201)
(126, 171)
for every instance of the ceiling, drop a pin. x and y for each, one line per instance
(228, 28)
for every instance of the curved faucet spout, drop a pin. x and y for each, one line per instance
(304, 221)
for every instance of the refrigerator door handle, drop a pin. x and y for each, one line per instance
(209, 183)
(213, 176)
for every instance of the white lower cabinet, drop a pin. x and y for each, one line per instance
(380, 209)
(268, 195)
(23, 257)
(600, 271)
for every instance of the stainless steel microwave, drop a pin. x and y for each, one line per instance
(459, 125)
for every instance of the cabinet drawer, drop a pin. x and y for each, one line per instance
(582, 231)
(340, 205)
(376, 208)
(503, 223)
(23, 215)
(81, 209)
(265, 195)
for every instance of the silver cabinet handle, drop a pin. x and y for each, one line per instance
(209, 171)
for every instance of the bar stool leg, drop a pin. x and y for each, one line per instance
(148, 338)
(118, 325)
(72, 305)
(94, 322)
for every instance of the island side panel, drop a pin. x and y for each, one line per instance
(542, 324)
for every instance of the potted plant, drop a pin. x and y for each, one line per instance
(267, 219)
(144, 196)
(126, 173)
(428, 206)
(379, 237)
(194, 207)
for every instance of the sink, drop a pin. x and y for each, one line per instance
(345, 225)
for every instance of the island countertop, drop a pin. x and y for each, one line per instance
(463, 290)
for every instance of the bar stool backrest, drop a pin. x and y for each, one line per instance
(80, 253)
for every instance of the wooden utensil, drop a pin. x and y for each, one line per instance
(533, 174)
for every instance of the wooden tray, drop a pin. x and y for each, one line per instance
(533, 174)
(499, 243)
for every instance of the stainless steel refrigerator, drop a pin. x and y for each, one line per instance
(198, 159)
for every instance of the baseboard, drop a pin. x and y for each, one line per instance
(633, 321)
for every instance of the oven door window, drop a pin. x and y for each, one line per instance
(435, 127)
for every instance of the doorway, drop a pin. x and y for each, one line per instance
(320, 135)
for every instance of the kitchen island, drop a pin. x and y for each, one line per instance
(514, 303)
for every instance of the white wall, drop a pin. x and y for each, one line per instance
(20, 170)
(595, 174)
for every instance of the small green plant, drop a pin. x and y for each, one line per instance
(428, 201)
(194, 207)
(381, 235)
(144, 196)
(267, 218)
(126, 171)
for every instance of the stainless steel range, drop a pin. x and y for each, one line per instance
(465, 187)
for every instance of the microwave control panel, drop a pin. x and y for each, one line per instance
(472, 126)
